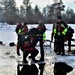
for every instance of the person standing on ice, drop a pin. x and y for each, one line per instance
(20, 30)
(60, 31)
(42, 27)
(18, 27)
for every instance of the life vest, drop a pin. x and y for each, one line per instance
(69, 34)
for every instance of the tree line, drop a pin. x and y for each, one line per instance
(10, 13)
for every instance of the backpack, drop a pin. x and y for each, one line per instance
(69, 34)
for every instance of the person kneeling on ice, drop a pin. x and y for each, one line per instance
(28, 41)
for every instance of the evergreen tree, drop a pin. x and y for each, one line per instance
(30, 14)
(9, 10)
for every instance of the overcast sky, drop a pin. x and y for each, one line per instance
(43, 3)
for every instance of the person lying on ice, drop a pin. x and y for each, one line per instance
(28, 42)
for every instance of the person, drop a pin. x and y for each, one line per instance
(69, 36)
(60, 31)
(19, 25)
(41, 26)
(27, 47)
(21, 29)
(29, 41)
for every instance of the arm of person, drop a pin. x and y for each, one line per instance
(44, 37)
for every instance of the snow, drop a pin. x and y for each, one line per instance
(8, 55)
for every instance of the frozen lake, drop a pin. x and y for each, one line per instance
(8, 55)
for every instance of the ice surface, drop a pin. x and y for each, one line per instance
(8, 57)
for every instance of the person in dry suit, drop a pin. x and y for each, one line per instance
(42, 27)
(26, 46)
(29, 41)
(61, 68)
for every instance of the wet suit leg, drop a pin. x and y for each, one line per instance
(34, 54)
(25, 54)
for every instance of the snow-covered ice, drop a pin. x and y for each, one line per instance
(8, 57)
